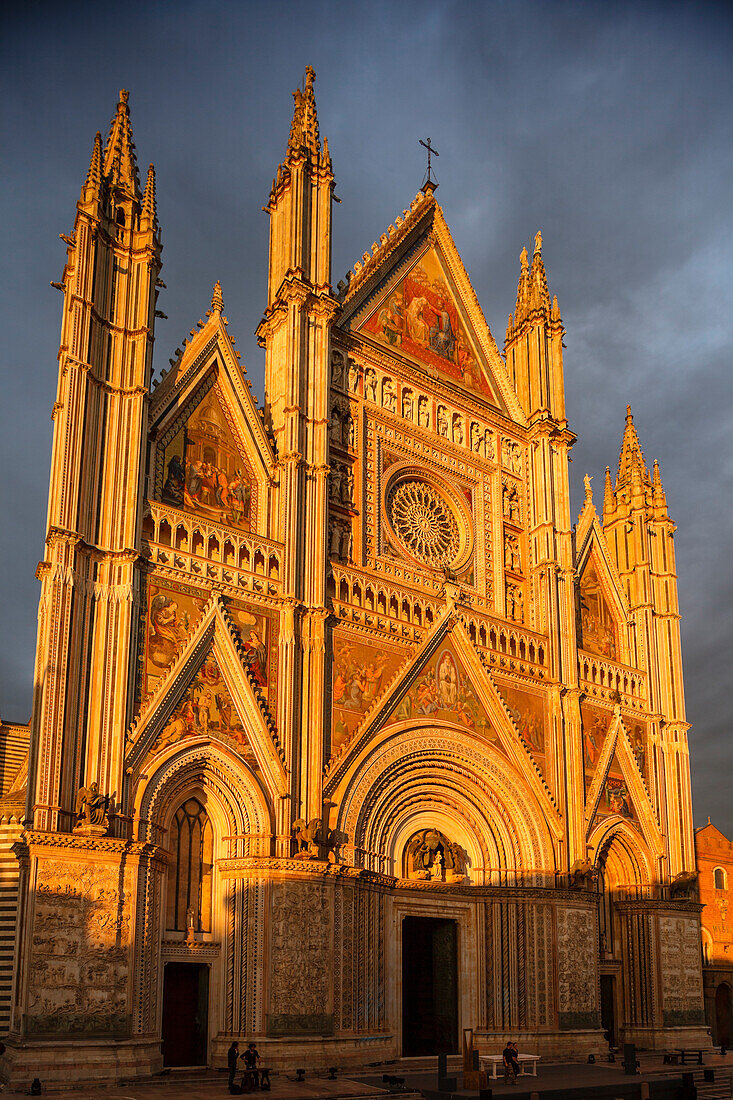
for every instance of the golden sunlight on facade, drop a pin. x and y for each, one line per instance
(344, 737)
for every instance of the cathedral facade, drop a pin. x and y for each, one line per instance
(344, 737)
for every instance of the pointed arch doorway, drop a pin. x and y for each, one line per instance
(429, 986)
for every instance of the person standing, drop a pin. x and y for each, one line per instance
(511, 1066)
(251, 1061)
(232, 1058)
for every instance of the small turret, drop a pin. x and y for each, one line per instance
(533, 347)
(92, 188)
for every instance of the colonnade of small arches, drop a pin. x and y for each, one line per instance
(246, 552)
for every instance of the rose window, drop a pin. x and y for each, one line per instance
(424, 522)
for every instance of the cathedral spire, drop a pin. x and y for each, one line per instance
(217, 298)
(631, 464)
(120, 164)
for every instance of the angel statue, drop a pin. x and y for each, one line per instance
(91, 809)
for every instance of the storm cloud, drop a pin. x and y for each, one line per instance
(607, 125)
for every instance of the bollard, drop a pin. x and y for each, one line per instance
(630, 1062)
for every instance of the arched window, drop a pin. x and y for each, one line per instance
(189, 875)
(719, 878)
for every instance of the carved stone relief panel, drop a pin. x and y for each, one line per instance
(679, 951)
(577, 957)
(539, 966)
(79, 965)
(301, 929)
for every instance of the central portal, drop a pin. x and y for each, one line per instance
(429, 986)
(185, 1014)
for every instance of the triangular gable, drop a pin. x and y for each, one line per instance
(618, 788)
(603, 610)
(211, 452)
(211, 692)
(447, 682)
(414, 298)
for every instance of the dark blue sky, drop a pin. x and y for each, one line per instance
(607, 125)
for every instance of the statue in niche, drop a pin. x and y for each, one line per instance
(346, 543)
(335, 428)
(457, 429)
(91, 810)
(510, 500)
(475, 436)
(423, 412)
(353, 376)
(442, 420)
(431, 856)
(389, 395)
(337, 368)
(407, 404)
(334, 546)
(488, 444)
(370, 384)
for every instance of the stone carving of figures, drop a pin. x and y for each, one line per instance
(347, 428)
(190, 924)
(436, 871)
(335, 428)
(442, 420)
(488, 444)
(353, 376)
(346, 542)
(389, 396)
(334, 542)
(423, 412)
(511, 553)
(352, 432)
(515, 458)
(506, 446)
(337, 368)
(457, 429)
(510, 500)
(370, 384)
(347, 487)
(475, 436)
(335, 483)
(407, 404)
(91, 808)
(514, 603)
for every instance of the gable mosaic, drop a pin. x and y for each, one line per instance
(421, 318)
(205, 471)
(172, 613)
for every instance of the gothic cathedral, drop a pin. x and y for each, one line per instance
(344, 737)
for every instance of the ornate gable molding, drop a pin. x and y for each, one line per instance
(214, 627)
(617, 744)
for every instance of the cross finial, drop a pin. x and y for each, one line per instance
(429, 183)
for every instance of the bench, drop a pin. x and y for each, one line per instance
(495, 1062)
(680, 1056)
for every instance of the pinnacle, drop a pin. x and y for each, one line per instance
(149, 208)
(120, 164)
(93, 181)
(217, 300)
(609, 497)
(304, 127)
(631, 462)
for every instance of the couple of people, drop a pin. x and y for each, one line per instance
(251, 1059)
(510, 1056)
